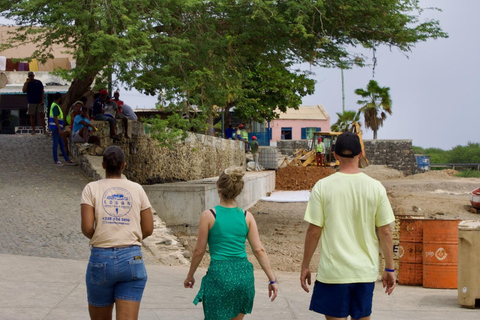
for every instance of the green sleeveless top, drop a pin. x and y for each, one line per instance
(226, 239)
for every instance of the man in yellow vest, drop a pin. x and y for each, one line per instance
(55, 124)
(320, 152)
(244, 136)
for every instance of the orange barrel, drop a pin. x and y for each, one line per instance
(410, 252)
(440, 254)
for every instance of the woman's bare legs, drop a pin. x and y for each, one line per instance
(127, 310)
(100, 313)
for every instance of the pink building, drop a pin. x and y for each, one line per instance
(300, 124)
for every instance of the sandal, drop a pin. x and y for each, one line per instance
(70, 163)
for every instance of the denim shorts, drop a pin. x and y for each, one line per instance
(115, 273)
(341, 300)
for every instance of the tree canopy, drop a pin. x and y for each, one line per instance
(345, 121)
(215, 54)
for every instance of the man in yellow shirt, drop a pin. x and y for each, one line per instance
(343, 211)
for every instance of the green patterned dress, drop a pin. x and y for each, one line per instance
(228, 288)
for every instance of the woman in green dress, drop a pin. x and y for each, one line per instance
(228, 288)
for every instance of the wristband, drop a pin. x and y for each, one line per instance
(389, 270)
(273, 282)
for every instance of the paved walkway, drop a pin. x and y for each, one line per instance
(34, 288)
(40, 205)
(43, 256)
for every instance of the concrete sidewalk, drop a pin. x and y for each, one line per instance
(54, 289)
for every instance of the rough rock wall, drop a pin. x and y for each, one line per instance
(288, 147)
(396, 154)
(197, 157)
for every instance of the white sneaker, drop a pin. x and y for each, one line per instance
(86, 144)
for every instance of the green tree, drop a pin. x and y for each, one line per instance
(376, 103)
(465, 154)
(97, 33)
(214, 53)
(240, 53)
(345, 121)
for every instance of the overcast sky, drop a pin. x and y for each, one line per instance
(434, 90)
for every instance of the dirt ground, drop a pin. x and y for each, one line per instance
(300, 178)
(434, 195)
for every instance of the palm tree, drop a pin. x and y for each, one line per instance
(376, 100)
(345, 121)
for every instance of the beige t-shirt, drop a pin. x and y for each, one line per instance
(117, 204)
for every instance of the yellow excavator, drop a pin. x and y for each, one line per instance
(307, 157)
(329, 139)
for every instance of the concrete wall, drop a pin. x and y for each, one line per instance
(26, 48)
(180, 204)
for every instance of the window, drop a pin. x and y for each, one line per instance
(286, 133)
(307, 133)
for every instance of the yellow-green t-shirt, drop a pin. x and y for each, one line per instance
(348, 207)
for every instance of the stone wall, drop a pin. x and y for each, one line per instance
(288, 147)
(197, 157)
(396, 154)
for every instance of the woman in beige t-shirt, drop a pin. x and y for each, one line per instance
(116, 216)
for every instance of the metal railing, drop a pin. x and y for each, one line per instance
(475, 166)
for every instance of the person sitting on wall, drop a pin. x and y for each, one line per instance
(229, 133)
(82, 128)
(125, 113)
(238, 132)
(98, 112)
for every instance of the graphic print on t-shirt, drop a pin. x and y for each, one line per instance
(117, 203)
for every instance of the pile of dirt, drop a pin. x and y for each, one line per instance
(382, 172)
(300, 178)
(447, 174)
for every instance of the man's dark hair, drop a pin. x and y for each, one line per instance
(84, 100)
(57, 96)
(113, 157)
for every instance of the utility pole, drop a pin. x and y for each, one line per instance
(343, 92)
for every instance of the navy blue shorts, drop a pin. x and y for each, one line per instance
(342, 300)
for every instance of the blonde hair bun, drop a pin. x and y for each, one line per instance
(234, 173)
(230, 182)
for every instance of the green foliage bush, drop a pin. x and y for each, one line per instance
(459, 154)
(175, 128)
(469, 173)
